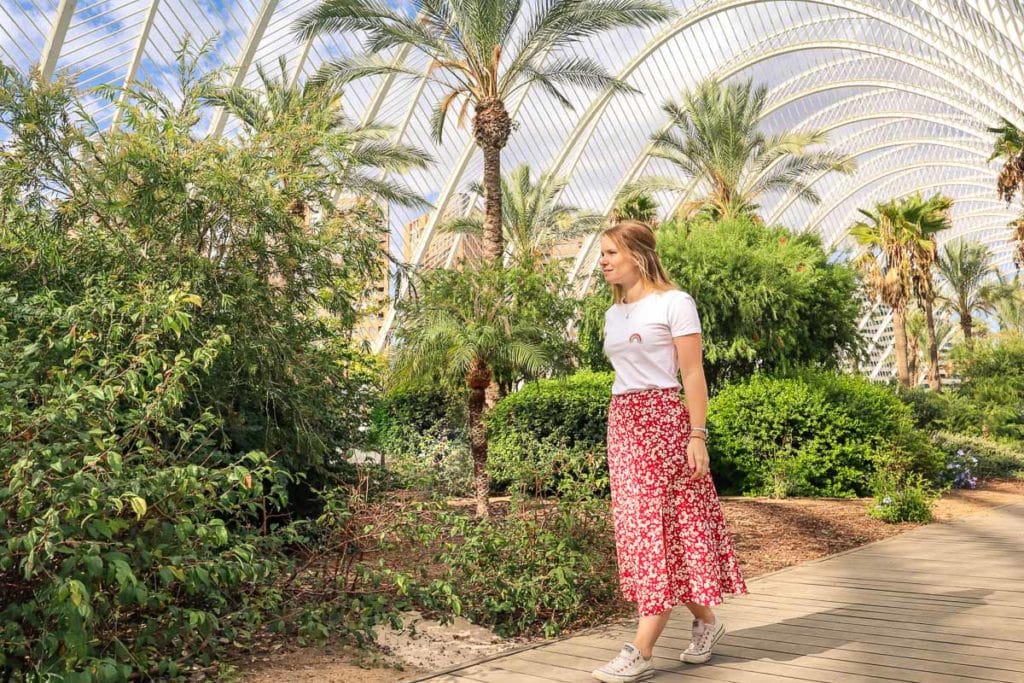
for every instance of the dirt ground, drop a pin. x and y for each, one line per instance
(769, 535)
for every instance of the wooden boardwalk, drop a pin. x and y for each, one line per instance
(940, 604)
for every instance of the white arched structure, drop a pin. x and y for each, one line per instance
(907, 89)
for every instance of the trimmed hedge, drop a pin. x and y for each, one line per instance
(814, 434)
(549, 430)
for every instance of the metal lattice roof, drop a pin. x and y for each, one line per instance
(907, 87)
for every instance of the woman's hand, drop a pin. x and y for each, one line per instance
(697, 457)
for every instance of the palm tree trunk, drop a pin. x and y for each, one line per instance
(491, 127)
(965, 326)
(933, 347)
(478, 379)
(899, 328)
(494, 242)
(913, 353)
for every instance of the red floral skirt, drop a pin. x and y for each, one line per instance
(671, 541)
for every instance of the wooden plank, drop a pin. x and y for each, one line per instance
(859, 627)
(895, 588)
(666, 665)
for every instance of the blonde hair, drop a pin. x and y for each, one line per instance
(636, 239)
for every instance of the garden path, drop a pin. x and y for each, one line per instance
(943, 603)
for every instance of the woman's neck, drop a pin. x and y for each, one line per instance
(634, 291)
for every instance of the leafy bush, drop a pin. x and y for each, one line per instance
(534, 573)
(769, 300)
(157, 204)
(175, 367)
(420, 409)
(901, 498)
(945, 411)
(992, 380)
(130, 539)
(816, 433)
(431, 460)
(994, 459)
(549, 430)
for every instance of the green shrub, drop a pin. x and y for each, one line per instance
(945, 411)
(901, 498)
(992, 380)
(994, 459)
(420, 409)
(550, 429)
(131, 541)
(769, 300)
(157, 204)
(816, 433)
(534, 573)
(430, 460)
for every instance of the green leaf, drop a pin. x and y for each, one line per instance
(138, 505)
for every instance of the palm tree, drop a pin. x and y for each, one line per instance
(354, 156)
(1009, 304)
(460, 326)
(923, 220)
(715, 144)
(533, 220)
(885, 267)
(638, 207)
(1009, 146)
(481, 52)
(964, 267)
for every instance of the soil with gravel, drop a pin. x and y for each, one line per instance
(770, 534)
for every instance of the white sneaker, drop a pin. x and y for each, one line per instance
(627, 667)
(704, 638)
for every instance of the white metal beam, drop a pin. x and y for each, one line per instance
(133, 66)
(252, 43)
(55, 40)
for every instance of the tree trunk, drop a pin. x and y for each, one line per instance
(899, 328)
(933, 347)
(965, 327)
(479, 378)
(494, 240)
(913, 353)
(491, 128)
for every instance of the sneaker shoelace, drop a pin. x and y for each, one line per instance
(700, 638)
(627, 658)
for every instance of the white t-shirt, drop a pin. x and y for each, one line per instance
(640, 346)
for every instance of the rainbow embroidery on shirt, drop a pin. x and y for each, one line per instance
(636, 339)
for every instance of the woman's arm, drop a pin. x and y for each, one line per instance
(690, 358)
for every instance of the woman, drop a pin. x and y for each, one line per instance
(671, 540)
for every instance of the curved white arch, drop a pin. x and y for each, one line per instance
(885, 174)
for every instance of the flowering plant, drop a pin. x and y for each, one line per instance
(959, 472)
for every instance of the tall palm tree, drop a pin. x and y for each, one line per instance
(715, 144)
(533, 220)
(481, 52)
(355, 156)
(964, 268)
(1009, 146)
(460, 326)
(886, 269)
(923, 220)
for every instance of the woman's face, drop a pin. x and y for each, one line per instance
(618, 267)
